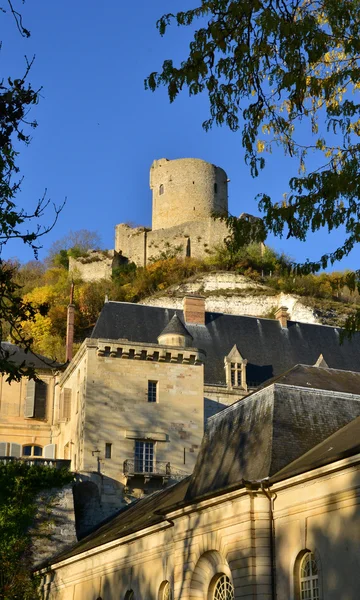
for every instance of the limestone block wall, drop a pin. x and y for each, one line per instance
(131, 242)
(194, 238)
(95, 265)
(117, 410)
(53, 529)
(187, 189)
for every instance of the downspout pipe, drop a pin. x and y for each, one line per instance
(264, 486)
(271, 498)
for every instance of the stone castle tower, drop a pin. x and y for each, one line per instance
(186, 193)
(186, 190)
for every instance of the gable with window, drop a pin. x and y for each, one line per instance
(235, 369)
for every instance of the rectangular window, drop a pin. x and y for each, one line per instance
(108, 450)
(152, 391)
(144, 457)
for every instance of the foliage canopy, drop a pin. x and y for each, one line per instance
(17, 97)
(285, 73)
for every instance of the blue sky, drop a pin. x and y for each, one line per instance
(99, 130)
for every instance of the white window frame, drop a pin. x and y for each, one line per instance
(144, 456)
(309, 585)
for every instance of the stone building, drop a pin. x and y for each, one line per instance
(270, 511)
(128, 411)
(27, 408)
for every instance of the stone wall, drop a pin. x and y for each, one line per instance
(194, 238)
(97, 264)
(54, 525)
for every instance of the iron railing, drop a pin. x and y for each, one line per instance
(55, 463)
(149, 469)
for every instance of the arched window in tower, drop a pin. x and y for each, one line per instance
(161, 189)
(215, 188)
(309, 578)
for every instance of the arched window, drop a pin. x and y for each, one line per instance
(30, 450)
(215, 188)
(221, 588)
(161, 189)
(130, 595)
(309, 578)
(165, 592)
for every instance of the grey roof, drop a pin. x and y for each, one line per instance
(343, 443)
(18, 356)
(256, 438)
(175, 326)
(269, 349)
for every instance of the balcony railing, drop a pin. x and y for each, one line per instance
(55, 463)
(149, 469)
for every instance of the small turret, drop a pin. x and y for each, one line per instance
(175, 334)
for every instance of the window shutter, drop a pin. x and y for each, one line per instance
(30, 399)
(40, 399)
(15, 450)
(49, 451)
(3, 448)
(67, 403)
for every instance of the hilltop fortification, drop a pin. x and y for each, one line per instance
(186, 193)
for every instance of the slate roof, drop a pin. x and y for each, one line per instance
(257, 437)
(177, 327)
(343, 443)
(17, 355)
(269, 349)
(282, 430)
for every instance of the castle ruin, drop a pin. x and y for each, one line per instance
(186, 193)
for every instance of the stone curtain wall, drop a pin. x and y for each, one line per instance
(196, 239)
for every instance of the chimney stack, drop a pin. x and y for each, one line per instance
(194, 310)
(70, 325)
(282, 316)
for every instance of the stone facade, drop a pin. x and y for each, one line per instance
(230, 534)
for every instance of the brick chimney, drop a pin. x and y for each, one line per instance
(282, 316)
(70, 326)
(194, 310)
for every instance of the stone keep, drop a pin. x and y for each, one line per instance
(185, 194)
(185, 190)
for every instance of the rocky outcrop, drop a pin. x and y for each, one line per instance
(235, 294)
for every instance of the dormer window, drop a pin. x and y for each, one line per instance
(161, 189)
(235, 375)
(235, 370)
